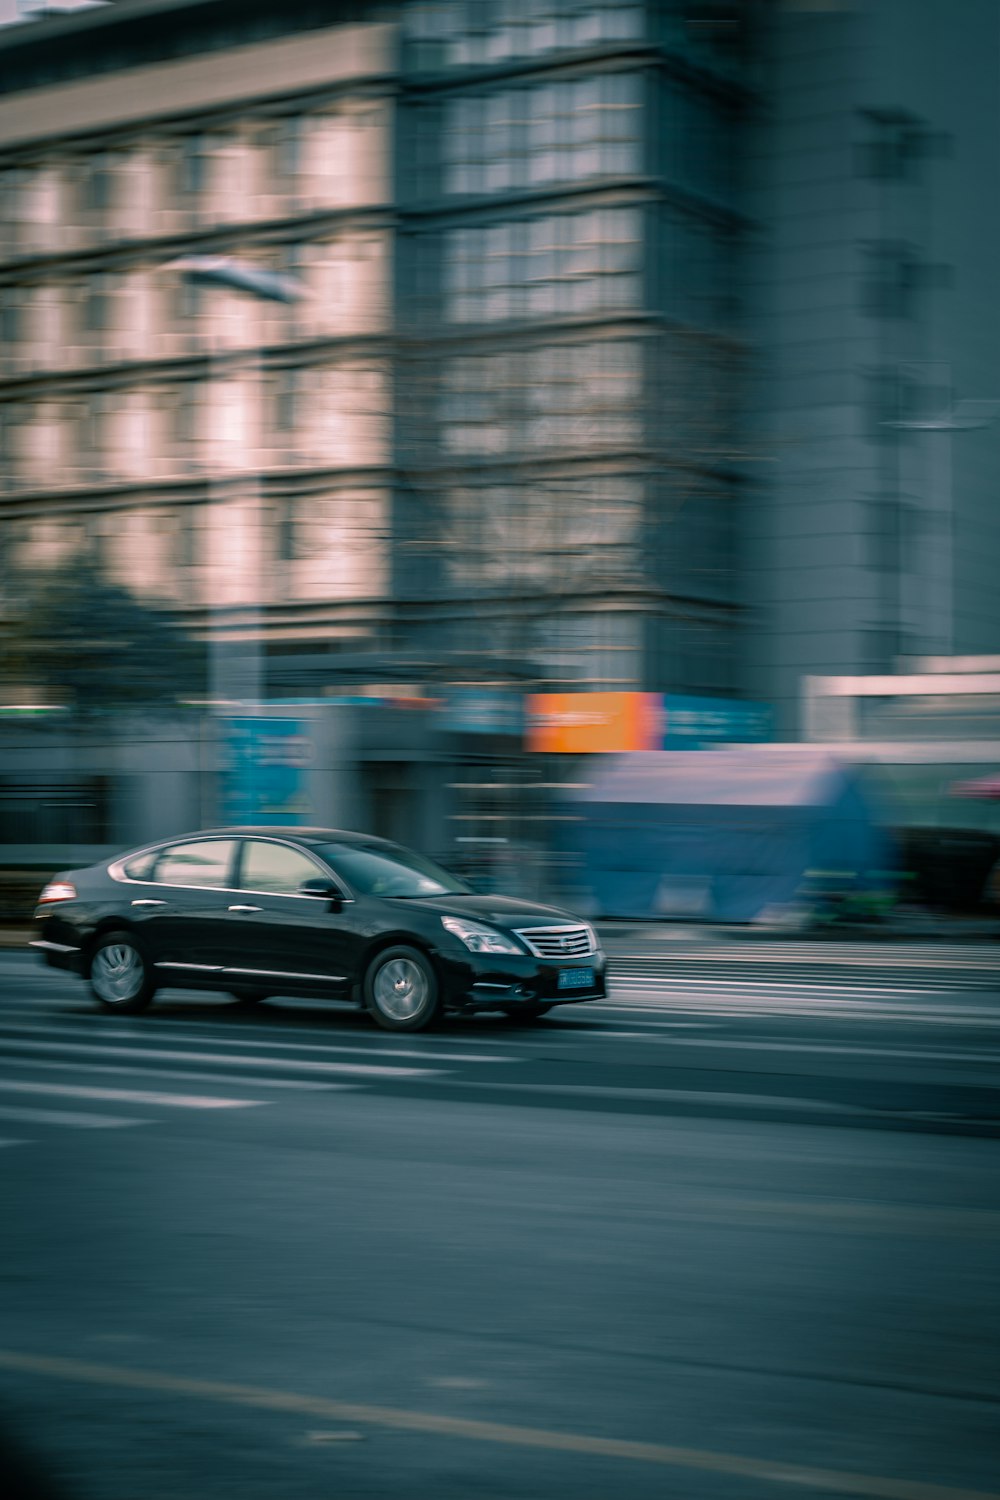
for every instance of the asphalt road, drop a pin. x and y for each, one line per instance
(734, 1233)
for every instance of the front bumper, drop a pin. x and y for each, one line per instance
(509, 981)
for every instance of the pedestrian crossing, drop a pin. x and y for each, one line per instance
(67, 1068)
(911, 973)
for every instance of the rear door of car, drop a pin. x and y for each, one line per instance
(179, 904)
(276, 935)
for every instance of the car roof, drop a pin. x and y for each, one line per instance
(291, 831)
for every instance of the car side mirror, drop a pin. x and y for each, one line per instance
(323, 889)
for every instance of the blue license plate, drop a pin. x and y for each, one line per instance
(575, 979)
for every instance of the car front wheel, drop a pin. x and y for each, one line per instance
(121, 977)
(401, 990)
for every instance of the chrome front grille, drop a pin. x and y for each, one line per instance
(556, 942)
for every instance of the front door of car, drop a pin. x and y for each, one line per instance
(277, 934)
(180, 904)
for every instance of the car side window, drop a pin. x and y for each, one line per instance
(141, 866)
(206, 864)
(277, 869)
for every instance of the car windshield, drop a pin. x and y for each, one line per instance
(377, 870)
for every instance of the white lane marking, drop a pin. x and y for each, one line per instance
(129, 1096)
(731, 1005)
(672, 1096)
(49, 1064)
(930, 1054)
(646, 1031)
(65, 1117)
(696, 985)
(903, 957)
(95, 1027)
(233, 1059)
(12, 1142)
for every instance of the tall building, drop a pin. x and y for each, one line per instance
(209, 449)
(571, 346)
(495, 438)
(872, 531)
(647, 345)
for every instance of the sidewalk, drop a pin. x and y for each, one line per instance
(905, 927)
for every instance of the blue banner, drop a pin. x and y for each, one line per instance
(266, 769)
(691, 723)
(483, 711)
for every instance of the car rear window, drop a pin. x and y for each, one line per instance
(140, 866)
(199, 864)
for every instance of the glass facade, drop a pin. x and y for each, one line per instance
(530, 137)
(575, 397)
(553, 266)
(478, 33)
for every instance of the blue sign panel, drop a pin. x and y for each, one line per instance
(483, 711)
(266, 766)
(695, 723)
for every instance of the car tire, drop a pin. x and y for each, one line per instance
(532, 1010)
(248, 997)
(401, 990)
(119, 973)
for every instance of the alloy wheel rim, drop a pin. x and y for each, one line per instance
(117, 973)
(401, 989)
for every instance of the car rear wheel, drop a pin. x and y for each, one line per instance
(121, 976)
(401, 990)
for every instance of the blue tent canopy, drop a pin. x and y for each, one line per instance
(722, 834)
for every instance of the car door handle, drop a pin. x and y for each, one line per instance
(244, 908)
(149, 903)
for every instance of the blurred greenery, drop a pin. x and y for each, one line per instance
(69, 637)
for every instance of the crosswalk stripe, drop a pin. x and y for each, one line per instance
(233, 1059)
(130, 1096)
(94, 1027)
(927, 1054)
(65, 1117)
(814, 1007)
(181, 1074)
(666, 1096)
(698, 983)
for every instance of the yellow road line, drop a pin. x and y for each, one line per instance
(873, 1486)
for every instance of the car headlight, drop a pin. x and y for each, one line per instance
(479, 938)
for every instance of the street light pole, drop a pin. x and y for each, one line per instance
(236, 653)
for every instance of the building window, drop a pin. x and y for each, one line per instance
(892, 280)
(190, 302)
(97, 316)
(10, 323)
(99, 196)
(287, 399)
(471, 33)
(566, 397)
(193, 170)
(289, 150)
(565, 131)
(555, 533)
(558, 266)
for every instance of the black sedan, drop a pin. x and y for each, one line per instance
(311, 912)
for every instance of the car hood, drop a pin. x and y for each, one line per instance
(502, 911)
